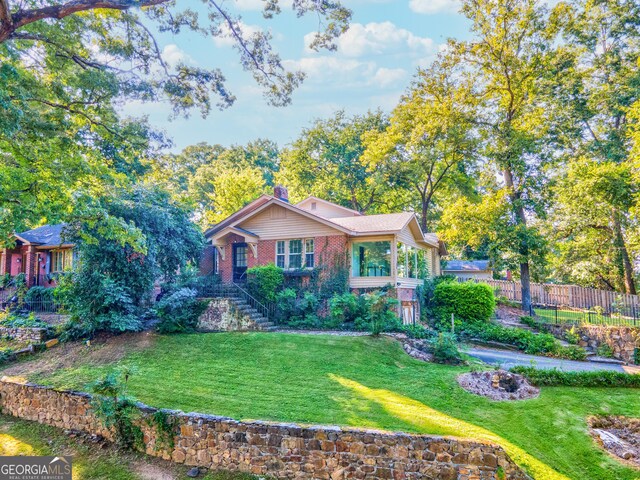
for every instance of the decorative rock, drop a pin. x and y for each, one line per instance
(194, 472)
(498, 385)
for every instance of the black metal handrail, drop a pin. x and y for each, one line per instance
(267, 311)
(230, 290)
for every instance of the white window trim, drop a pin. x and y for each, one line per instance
(303, 253)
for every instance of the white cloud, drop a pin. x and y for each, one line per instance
(173, 55)
(332, 68)
(434, 6)
(378, 38)
(225, 39)
(258, 5)
(385, 77)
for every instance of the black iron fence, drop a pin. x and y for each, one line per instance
(621, 315)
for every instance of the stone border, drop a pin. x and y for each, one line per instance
(25, 334)
(275, 449)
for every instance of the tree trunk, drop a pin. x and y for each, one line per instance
(623, 253)
(521, 218)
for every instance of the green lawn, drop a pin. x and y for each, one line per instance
(579, 317)
(90, 462)
(367, 382)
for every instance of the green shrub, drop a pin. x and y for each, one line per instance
(605, 350)
(15, 320)
(380, 316)
(525, 340)
(572, 336)
(347, 308)
(264, 282)
(179, 312)
(297, 312)
(5, 280)
(601, 378)
(417, 331)
(445, 350)
(636, 356)
(470, 303)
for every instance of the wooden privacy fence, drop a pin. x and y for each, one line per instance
(566, 295)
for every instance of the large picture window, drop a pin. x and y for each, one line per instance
(411, 262)
(371, 259)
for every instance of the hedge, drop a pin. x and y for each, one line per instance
(470, 303)
(555, 377)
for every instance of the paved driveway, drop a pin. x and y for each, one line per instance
(508, 359)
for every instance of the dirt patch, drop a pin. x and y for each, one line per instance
(498, 385)
(620, 436)
(102, 350)
(509, 316)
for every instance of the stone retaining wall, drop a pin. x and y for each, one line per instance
(279, 450)
(24, 334)
(223, 315)
(622, 340)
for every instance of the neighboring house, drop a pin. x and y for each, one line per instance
(381, 250)
(40, 254)
(469, 269)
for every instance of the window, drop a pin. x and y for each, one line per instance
(61, 260)
(309, 253)
(411, 262)
(371, 259)
(216, 261)
(295, 253)
(280, 254)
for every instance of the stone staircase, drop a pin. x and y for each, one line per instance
(258, 318)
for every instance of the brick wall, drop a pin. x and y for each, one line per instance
(280, 450)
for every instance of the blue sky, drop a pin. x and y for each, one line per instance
(387, 42)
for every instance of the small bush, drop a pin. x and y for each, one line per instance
(445, 350)
(39, 294)
(470, 303)
(417, 331)
(347, 308)
(572, 336)
(555, 377)
(605, 350)
(179, 312)
(380, 316)
(265, 282)
(21, 321)
(297, 312)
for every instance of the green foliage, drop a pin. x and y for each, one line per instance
(445, 349)
(18, 320)
(112, 285)
(165, 427)
(605, 350)
(347, 308)
(5, 280)
(417, 331)
(297, 312)
(470, 303)
(572, 336)
(527, 341)
(7, 355)
(598, 379)
(117, 411)
(264, 282)
(381, 316)
(179, 312)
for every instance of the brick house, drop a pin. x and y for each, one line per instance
(40, 254)
(378, 250)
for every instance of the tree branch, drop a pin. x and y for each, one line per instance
(25, 17)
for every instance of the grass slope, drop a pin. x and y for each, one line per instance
(365, 382)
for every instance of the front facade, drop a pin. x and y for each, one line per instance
(378, 250)
(40, 254)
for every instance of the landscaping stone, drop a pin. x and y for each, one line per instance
(285, 451)
(24, 334)
(622, 340)
(224, 315)
(620, 436)
(498, 385)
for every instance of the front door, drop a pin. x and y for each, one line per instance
(239, 262)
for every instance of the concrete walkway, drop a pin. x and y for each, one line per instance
(507, 359)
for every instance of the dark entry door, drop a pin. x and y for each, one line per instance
(239, 262)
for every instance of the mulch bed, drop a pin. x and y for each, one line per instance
(620, 436)
(498, 385)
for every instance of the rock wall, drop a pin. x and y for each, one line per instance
(622, 340)
(279, 450)
(23, 334)
(223, 315)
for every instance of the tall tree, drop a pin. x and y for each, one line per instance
(598, 82)
(65, 65)
(325, 161)
(429, 144)
(507, 58)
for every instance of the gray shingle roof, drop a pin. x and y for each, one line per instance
(467, 266)
(47, 235)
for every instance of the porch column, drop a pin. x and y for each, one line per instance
(4, 260)
(30, 268)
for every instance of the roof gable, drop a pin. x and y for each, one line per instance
(326, 209)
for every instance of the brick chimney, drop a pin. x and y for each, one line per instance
(281, 193)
